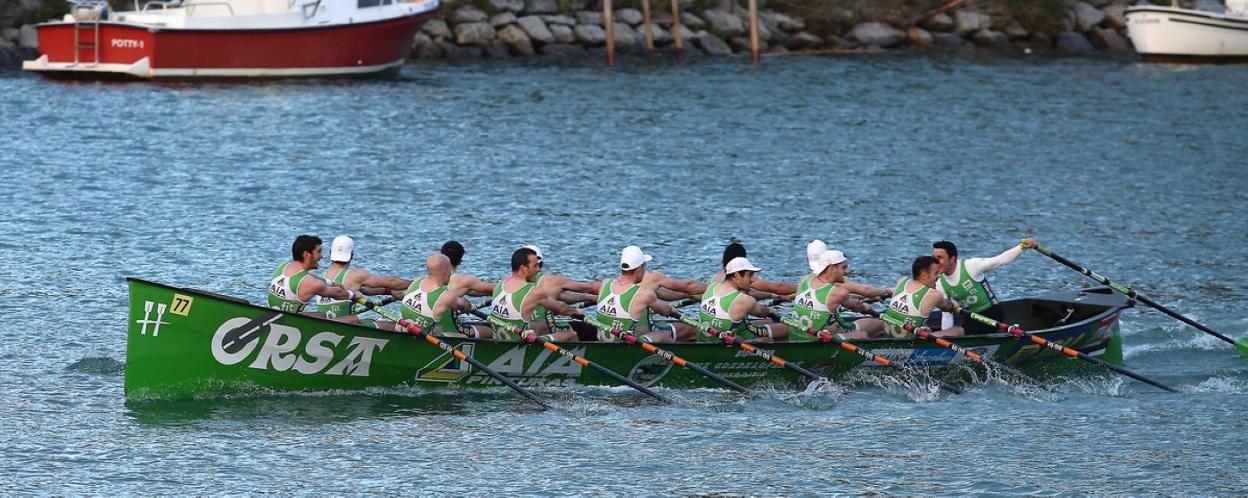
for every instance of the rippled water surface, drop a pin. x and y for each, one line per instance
(1135, 170)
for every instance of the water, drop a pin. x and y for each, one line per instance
(1133, 170)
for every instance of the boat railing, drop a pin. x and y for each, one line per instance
(190, 7)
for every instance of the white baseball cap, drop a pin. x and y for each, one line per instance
(632, 257)
(342, 248)
(826, 259)
(739, 264)
(534, 248)
(813, 250)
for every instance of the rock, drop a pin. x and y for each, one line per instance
(764, 33)
(712, 44)
(563, 34)
(950, 40)
(512, 6)
(1098, 3)
(1086, 16)
(536, 29)
(454, 51)
(500, 20)
(844, 42)
(436, 29)
(723, 24)
(496, 50)
(1115, 15)
(468, 13)
(807, 39)
(563, 50)
(1107, 39)
(423, 47)
(879, 34)
(1073, 43)
(691, 20)
(564, 20)
(919, 37)
(587, 17)
(1041, 41)
(474, 33)
(940, 22)
(742, 44)
(627, 39)
(541, 7)
(687, 36)
(1015, 31)
(966, 22)
(661, 36)
(517, 41)
(784, 22)
(630, 16)
(992, 39)
(590, 34)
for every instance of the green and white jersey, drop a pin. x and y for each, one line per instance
(334, 307)
(970, 294)
(418, 307)
(810, 307)
(283, 290)
(506, 306)
(715, 312)
(904, 308)
(613, 311)
(540, 312)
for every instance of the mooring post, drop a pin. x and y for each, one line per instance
(754, 31)
(645, 15)
(609, 26)
(676, 26)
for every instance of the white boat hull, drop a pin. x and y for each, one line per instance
(1167, 34)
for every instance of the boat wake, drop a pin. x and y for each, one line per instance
(1219, 385)
(98, 365)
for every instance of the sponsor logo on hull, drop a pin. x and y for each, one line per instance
(284, 349)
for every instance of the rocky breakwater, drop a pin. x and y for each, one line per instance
(18, 40)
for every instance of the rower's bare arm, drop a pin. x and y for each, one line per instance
(590, 287)
(778, 288)
(371, 280)
(476, 287)
(666, 294)
(577, 297)
(318, 287)
(646, 298)
(690, 288)
(554, 305)
(864, 289)
(751, 308)
(934, 300)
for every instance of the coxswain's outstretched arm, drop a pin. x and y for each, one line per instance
(977, 267)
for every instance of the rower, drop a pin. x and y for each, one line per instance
(341, 253)
(914, 299)
(964, 281)
(625, 303)
(518, 296)
(455, 251)
(430, 300)
(727, 306)
(821, 296)
(759, 288)
(563, 289)
(292, 286)
(816, 249)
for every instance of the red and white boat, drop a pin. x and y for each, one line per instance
(183, 39)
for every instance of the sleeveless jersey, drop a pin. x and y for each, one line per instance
(418, 307)
(969, 293)
(506, 306)
(904, 308)
(283, 290)
(613, 311)
(714, 312)
(334, 307)
(811, 309)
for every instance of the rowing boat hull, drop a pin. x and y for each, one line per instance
(184, 343)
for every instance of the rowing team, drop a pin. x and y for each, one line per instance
(530, 298)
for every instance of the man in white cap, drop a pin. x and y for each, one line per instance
(759, 288)
(727, 306)
(821, 295)
(563, 289)
(816, 249)
(341, 253)
(626, 302)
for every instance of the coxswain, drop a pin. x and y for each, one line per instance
(965, 281)
(759, 288)
(341, 253)
(822, 295)
(564, 289)
(727, 306)
(293, 286)
(625, 303)
(516, 298)
(913, 300)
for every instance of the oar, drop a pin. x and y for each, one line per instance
(383, 302)
(532, 337)
(1240, 344)
(826, 337)
(413, 329)
(925, 334)
(1018, 332)
(669, 356)
(729, 339)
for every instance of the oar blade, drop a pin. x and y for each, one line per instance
(1241, 345)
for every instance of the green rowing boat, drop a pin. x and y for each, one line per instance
(186, 343)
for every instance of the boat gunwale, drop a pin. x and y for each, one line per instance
(158, 28)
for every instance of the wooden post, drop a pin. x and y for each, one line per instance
(645, 15)
(753, 31)
(609, 26)
(676, 25)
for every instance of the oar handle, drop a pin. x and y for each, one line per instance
(728, 338)
(666, 355)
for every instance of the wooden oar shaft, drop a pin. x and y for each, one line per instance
(414, 329)
(531, 337)
(1071, 352)
(728, 338)
(1131, 293)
